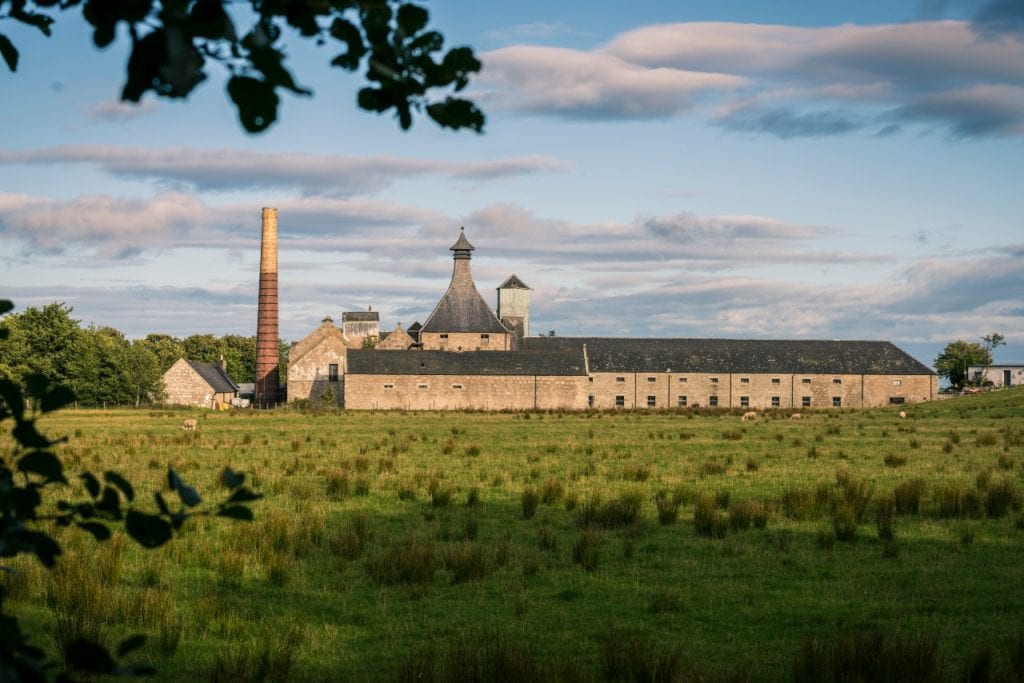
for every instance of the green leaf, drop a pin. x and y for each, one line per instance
(25, 433)
(412, 19)
(236, 512)
(43, 463)
(347, 33)
(162, 504)
(121, 483)
(40, 21)
(189, 496)
(6, 305)
(99, 531)
(92, 484)
(10, 55)
(11, 394)
(149, 531)
(110, 503)
(131, 644)
(457, 113)
(256, 101)
(243, 496)
(56, 398)
(231, 479)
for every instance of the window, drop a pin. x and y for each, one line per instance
(332, 372)
(806, 380)
(620, 401)
(776, 402)
(897, 400)
(444, 336)
(714, 380)
(837, 401)
(744, 401)
(620, 379)
(652, 379)
(744, 380)
(682, 379)
(682, 401)
(713, 401)
(590, 401)
(456, 386)
(897, 382)
(837, 381)
(422, 386)
(652, 401)
(485, 339)
(776, 380)
(805, 401)
(389, 386)
(590, 379)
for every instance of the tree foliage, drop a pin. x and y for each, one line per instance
(173, 42)
(952, 363)
(30, 475)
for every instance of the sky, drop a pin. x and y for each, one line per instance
(809, 169)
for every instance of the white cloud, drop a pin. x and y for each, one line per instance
(116, 111)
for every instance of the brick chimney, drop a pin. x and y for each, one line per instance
(267, 342)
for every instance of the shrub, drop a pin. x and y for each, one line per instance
(907, 496)
(668, 506)
(708, 520)
(552, 491)
(529, 501)
(743, 513)
(586, 552)
(844, 522)
(410, 562)
(985, 439)
(466, 562)
(799, 504)
(473, 451)
(625, 657)
(712, 467)
(1000, 496)
(480, 657)
(621, 511)
(856, 493)
(546, 539)
(440, 496)
(867, 657)
(352, 538)
(732, 435)
(336, 484)
(752, 465)
(1005, 462)
(885, 518)
(271, 659)
(279, 569)
(636, 473)
(893, 460)
(473, 498)
(361, 487)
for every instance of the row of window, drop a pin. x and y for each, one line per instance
(484, 338)
(681, 401)
(746, 380)
(423, 385)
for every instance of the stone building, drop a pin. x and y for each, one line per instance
(466, 357)
(316, 365)
(361, 327)
(1011, 375)
(206, 385)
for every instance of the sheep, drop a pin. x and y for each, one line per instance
(189, 425)
(903, 414)
(795, 416)
(748, 416)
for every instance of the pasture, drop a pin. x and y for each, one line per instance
(578, 546)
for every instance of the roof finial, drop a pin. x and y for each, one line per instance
(462, 247)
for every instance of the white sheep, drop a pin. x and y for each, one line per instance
(190, 424)
(749, 416)
(903, 414)
(795, 416)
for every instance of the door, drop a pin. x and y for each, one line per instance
(1007, 379)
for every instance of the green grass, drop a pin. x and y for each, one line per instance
(389, 543)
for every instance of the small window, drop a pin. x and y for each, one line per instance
(485, 339)
(682, 401)
(422, 386)
(652, 401)
(744, 401)
(776, 402)
(682, 379)
(805, 401)
(776, 380)
(837, 401)
(389, 386)
(714, 380)
(897, 382)
(652, 379)
(837, 381)
(744, 380)
(620, 401)
(590, 379)
(713, 401)
(897, 400)
(806, 380)
(590, 401)
(620, 379)
(457, 387)
(332, 372)
(444, 336)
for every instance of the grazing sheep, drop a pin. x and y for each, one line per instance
(749, 416)
(903, 414)
(190, 424)
(795, 416)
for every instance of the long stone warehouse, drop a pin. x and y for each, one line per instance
(466, 357)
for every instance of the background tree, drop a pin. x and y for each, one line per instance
(42, 341)
(174, 41)
(240, 354)
(166, 348)
(953, 361)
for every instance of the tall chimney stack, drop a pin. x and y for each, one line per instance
(267, 375)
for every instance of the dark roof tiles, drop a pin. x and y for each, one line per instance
(547, 363)
(211, 373)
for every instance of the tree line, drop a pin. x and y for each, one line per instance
(102, 366)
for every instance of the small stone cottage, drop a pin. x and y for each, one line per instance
(206, 385)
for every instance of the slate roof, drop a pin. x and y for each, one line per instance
(219, 381)
(548, 363)
(607, 354)
(323, 331)
(462, 309)
(513, 282)
(360, 316)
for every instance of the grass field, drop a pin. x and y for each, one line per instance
(579, 546)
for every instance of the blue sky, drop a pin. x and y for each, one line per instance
(730, 169)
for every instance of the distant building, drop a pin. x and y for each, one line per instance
(1010, 375)
(361, 327)
(466, 357)
(206, 385)
(316, 365)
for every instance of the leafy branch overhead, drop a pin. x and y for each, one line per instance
(404, 61)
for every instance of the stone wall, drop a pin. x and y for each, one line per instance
(184, 387)
(465, 392)
(309, 376)
(465, 341)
